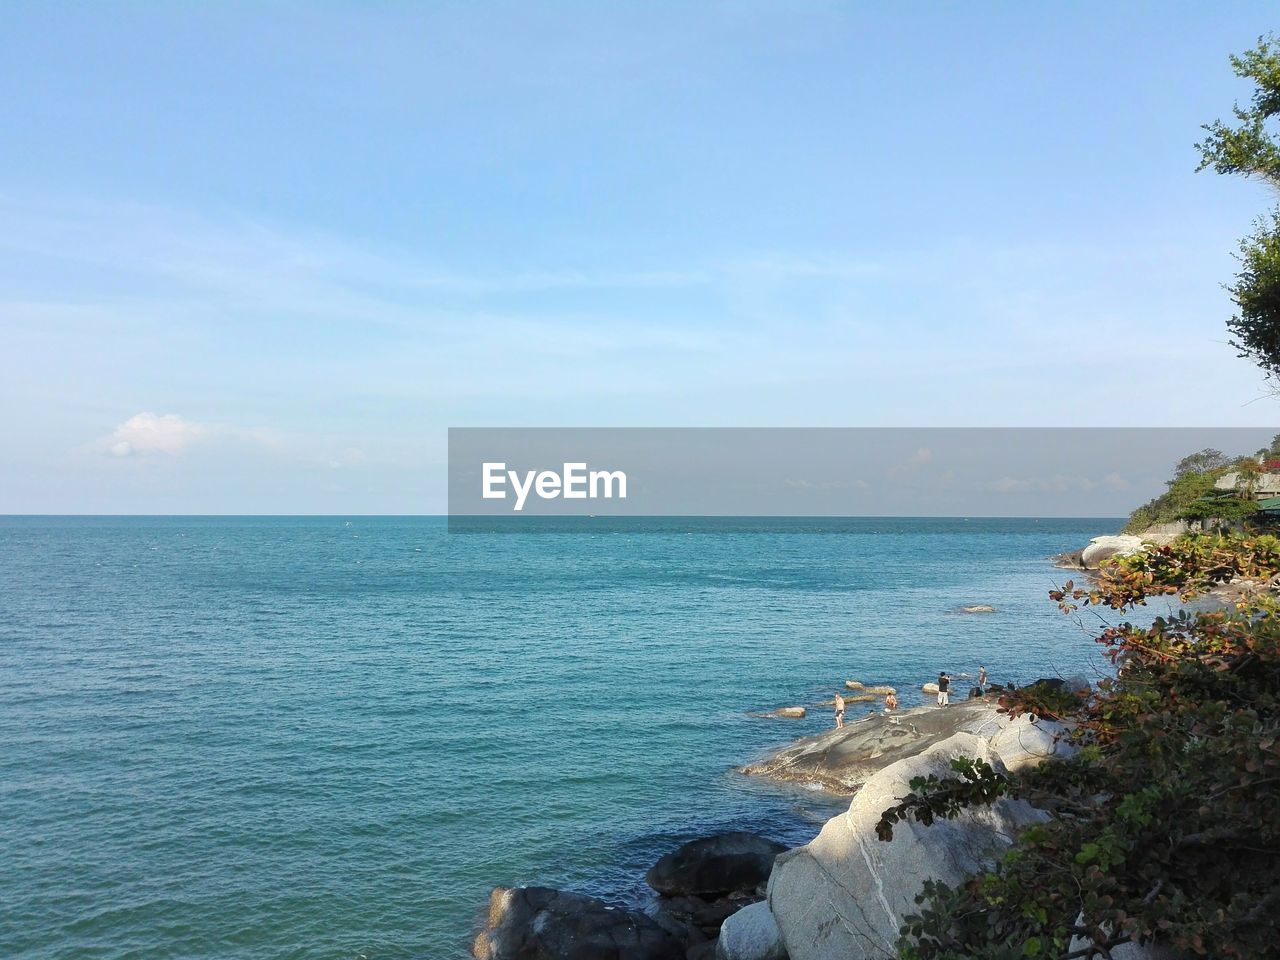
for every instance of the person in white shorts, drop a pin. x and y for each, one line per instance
(944, 683)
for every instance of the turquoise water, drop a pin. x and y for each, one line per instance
(314, 737)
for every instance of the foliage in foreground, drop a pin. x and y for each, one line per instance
(1166, 823)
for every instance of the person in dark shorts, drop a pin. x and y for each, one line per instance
(839, 711)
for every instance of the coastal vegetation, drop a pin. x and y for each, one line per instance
(1208, 488)
(1192, 496)
(1165, 826)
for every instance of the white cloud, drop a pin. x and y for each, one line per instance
(148, 433)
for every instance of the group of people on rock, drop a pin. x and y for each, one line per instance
(944, 694)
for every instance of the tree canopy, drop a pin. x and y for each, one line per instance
(1251, 147)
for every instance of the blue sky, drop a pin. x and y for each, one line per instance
(259, 258)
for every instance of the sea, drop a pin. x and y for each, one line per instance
(330, 737)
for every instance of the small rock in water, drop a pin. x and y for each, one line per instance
(530, 923)
(979, 608)
(794, 713)
(882, 691)
(929, 687)
(715, 866)
(853, 684)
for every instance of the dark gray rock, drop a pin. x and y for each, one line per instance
(703, 915)
(538, 923)
(715, 865)
(1071, 560)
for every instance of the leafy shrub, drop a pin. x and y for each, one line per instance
(1166, 823)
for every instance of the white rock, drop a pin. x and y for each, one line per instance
(1128, 951)
(1024, 743)
(843, 895)
(930, 688)
(794, 713)
(751, 934)
(1104, 548)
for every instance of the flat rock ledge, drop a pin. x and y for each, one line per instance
(841, 760)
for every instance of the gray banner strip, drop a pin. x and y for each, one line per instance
(514, 473)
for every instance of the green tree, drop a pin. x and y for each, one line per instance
(1251, 147)
(1202, 462)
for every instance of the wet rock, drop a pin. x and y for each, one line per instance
(1071, 560)
(793, 713)
(715, 866)
(979, 608)
(701, 915)
(539, 923)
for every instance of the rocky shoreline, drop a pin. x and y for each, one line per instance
(843, 895)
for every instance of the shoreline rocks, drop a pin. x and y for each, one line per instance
(843, 895)
(740, 896)
(751, 934)
(1101, 549)
(539, 923)
(715, 866)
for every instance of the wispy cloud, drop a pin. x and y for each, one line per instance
(1059, 483)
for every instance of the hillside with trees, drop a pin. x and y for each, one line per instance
(1193, 494)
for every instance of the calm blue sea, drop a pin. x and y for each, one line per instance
(328, 738)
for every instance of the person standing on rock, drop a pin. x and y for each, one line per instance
(944, 683)
(982, 680)
(839, 711)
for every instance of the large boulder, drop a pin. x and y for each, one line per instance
(1104, 548)
(1025, 742)
(714, 866)
(751, 934)
(843, 896)
(538, 923)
